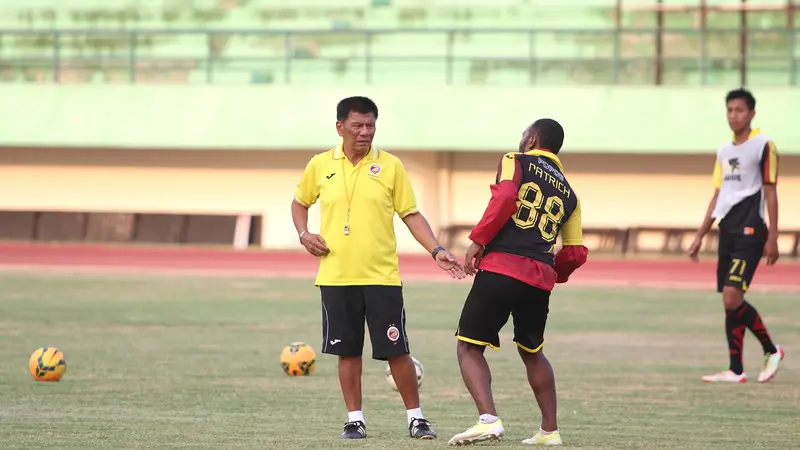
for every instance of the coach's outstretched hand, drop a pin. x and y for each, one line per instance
(448, 263)
(314, 244)
(473, 258)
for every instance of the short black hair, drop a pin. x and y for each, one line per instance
(550, 134)
(361, 105)
(743, 94)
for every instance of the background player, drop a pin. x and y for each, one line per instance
(745, 178)
(512, 247)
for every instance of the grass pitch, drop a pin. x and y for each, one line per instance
(189, 362)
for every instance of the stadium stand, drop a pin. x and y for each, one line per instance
(319, 42)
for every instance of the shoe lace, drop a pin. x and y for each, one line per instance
(422, 424)
(351, 426)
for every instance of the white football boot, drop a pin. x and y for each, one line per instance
(725, 377)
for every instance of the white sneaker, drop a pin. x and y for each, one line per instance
(771, 363)
(725, 377)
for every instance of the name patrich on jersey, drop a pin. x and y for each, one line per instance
(555, 178)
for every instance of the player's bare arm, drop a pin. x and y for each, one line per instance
(769, 171)
(771, 200)
(421, 230)
(313, 243)
(705, 226)
(307, 194)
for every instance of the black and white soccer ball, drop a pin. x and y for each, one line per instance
(417, 366)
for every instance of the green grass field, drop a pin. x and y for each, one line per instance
(191, 362)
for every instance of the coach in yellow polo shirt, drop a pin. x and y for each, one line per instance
(360, 188)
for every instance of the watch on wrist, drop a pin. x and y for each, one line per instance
(301, 235)
(436, 251)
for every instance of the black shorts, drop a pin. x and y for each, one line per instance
(344, 309)
(492, 298)
(738, 259)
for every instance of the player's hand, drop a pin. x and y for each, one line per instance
(448, 263)
(473, 258)
(694, 249)
(314, 244)
(771, 251)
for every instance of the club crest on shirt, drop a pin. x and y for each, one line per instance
(734, 175)
(375, 169)
(393, 333)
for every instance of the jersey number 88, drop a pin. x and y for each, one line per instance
(533, 209)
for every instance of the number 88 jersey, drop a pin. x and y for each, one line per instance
(546, 207)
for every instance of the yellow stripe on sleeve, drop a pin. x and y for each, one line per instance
(572, 230)
(508, 166)
(771, 174)
(717, 176)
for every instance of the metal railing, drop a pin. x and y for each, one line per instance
(447, 56)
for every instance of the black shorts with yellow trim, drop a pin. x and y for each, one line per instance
(491, 300)
(738, 259)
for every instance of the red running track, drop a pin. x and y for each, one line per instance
(784, 276)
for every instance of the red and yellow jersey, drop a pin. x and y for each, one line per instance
(532, 205)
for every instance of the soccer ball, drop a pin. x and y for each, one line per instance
(298, 358)
(47, 364)
(417, 366)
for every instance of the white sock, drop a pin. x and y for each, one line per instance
(353, 416)
(488, 418)
(545, 433)
(415, 413)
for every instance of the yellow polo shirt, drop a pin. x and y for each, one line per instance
(378, 186)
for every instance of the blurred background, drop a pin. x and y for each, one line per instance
(190, 121)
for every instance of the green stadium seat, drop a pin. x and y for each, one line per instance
(328, 72)
(499, 45)
(178, 46)
(223, 77)
(775, 72)
(243, 46)
(402, 45)
(381, 18)
(409, 71)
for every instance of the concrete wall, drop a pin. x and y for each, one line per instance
(420, 117)
(451, 188)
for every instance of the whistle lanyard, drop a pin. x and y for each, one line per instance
(350, 194)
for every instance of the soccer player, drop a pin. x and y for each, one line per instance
(513, 252)
(745, 178)
(360, 188)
